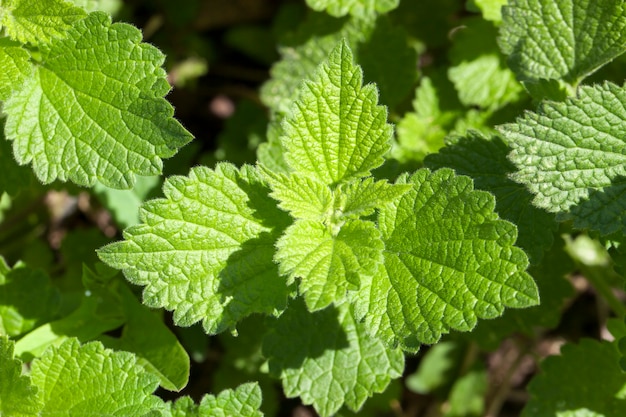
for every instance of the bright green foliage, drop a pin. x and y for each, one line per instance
(14, 177)
(449, 260)
(336, 131)
(124, 204)
(567, 153)
(242, 402)
(334, 360)
(76, 380)
(555, 391)
(38, 21)
(329, 261)
(340, 8)
(360, 198)
(18, 286)
(304, 197)
(109, 6)
(18, 397)
(491, 9)
(484, 160)
(97, 117)
(15, 66)
(562, 40)
(205, 250)
(478, 72)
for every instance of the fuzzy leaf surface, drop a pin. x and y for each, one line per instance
(360, 198)
(38, 21)
(328, 262)
(335, 361)
(93, 109)
(304, 197)
(553, 393)
(15, 66)
(18, 397)
(563, 39)
(76, 380)
(448, 261)
(205, 250)
(573, 154)
(242, 402)
(336, 130)
(340, 8)
(485, 161)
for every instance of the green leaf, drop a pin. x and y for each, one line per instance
(76, 380)
(554, 390)
(27, 299)
(242, 402)
(18, 397)
(329, 261)
(15, 67)
(334, 362)
(124, 204)
(449, 260)
(108, 6)
(340, 8)
(571, 156)
(360, 198)
(562, 40)
(14, 178)
(157, 350)
(205, 250)
(484, 160)
(38, 21)
(491, 9)
(98, 116)
(336, 131)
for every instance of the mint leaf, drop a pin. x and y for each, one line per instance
(562, 40)
(346, 134)
(340, 8)
(329, 261)
(303, 196)
(18, 397)
(554, 393)
(571, 154)
(243, 402)
(97, 117)
(335, 361)
(484, 160)
(157, 350)
(15, 66)
(449, 260)
(205, 250)
(38, 21)
(77, 380)
(18, 288)
(360, 198)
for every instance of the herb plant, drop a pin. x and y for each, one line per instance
(366, 245)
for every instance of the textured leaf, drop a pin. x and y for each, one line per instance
(491, 9)
(15, 66)
(449, 260)
(340, 8)
(109, 6)
(205, 251)
(336, 131)
(242, 402)
(553, 391)
(76, 380)
(97, 116)
(38, 21)
(328, 261)
(572, 153)
(18, 397)
(484, 160)
(334, 362)
(562, 40)
(360, 198)
(27, 299)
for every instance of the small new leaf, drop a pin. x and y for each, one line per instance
(95, 116)
(334, 362)
(572, 155)
(38, 21)
(18, 397)
(360, 198)
(340, 8)
(77, 380)
(562, 40)
(329, 259)
(448, 261)
(336, 130)
(205, 250)
(241, 402)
